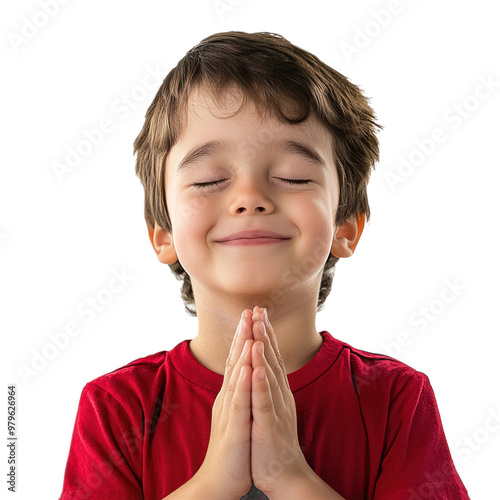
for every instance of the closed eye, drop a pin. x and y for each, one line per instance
(214, 183)
(296, 181)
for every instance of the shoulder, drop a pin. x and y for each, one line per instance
(141, 367)
(130, 385)
(374, 373)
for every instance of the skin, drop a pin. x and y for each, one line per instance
(284, 277)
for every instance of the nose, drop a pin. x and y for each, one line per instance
(251, 197)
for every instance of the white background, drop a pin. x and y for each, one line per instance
(61, 239)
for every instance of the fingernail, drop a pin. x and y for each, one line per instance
(262, 327)
(261, 349)
(266, 318)
(242, 315)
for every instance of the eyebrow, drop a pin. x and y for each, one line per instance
(215, 147)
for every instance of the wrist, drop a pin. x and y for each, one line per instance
(206, 487)
(306, 485)
(194, 489)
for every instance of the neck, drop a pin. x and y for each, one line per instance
(293, 322)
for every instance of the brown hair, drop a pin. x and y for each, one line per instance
(270, 71)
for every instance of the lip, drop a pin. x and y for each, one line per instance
(252, 241)
(258, 237)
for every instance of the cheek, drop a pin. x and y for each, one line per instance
(191, 219)
(316, 225)
(190, 209)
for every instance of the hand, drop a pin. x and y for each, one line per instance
(227, 461)
(276, 456)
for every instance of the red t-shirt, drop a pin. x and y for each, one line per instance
(368, 425)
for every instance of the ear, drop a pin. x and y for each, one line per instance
(347, 235)
(163, 244)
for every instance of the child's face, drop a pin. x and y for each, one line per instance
(251, 196)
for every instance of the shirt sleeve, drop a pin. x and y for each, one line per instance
(416, 460)
(104, 457)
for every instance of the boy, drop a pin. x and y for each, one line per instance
(255, 157)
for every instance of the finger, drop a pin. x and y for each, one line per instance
(240, 405)
(276, 387)
(274, 341)
(263, 407)
(237, 343)
(244, 359)
(239, 338)
(261, 314)
(272, 354)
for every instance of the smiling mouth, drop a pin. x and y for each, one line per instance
(253, 241)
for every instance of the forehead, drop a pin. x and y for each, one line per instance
(232, 118)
